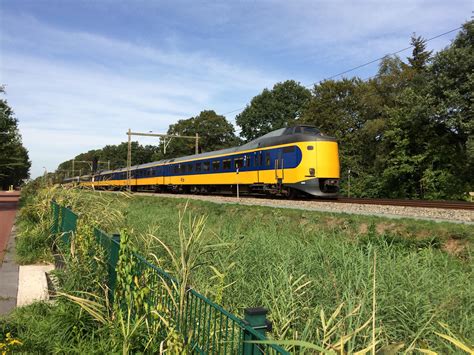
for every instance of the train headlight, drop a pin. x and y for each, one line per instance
(312, 171)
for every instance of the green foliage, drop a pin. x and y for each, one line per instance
(420, 56)
(299, 263)
(115, 154)
(34, 240)
(408, 132)
(273, 109)
(312, 270)
(14, 161)
(215, 132)
(82, 320)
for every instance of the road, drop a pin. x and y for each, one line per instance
(8, 207)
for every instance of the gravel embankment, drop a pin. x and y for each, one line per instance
(434, 214)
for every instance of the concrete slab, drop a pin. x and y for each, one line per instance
(33, 284)
(9, 277)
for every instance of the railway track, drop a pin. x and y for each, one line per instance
(451, 205)
(449, 211)
(454, 205)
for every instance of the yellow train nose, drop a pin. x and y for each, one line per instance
(327, 160)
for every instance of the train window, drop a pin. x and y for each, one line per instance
(289, 149)
(216, 165)
(310, 147)
(246, 160)
(206, 166)
(198, 166)
(310, 130)
(238, 163)
(260, 158)
(189, 168)
(267, 159)
(226, 164)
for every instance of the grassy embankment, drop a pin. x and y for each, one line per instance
(301, 263)
(305, 266)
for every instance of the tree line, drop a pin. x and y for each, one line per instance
(14, 160)
(407, 132)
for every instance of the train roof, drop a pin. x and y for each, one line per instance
(300, 133)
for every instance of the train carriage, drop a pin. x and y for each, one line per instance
(282, 162)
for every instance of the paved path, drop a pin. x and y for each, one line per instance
(8, 267)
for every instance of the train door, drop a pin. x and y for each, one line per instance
(279, 167)
(167, 175)
(258, 164)
(161, 175)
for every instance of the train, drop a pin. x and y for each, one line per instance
(288, 162)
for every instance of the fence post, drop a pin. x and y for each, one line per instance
(55, 226)
(256, 318)
(113, 260)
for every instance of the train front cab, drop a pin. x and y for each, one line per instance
(319, 168)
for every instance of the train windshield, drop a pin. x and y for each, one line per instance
(307, 130)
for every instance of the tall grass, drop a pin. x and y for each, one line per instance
(303, 264)
(315, 272)
(34, 237)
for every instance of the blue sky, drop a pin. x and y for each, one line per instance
(79, 73)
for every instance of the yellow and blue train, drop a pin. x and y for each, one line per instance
(285, 162)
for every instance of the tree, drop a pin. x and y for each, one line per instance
(115, 154)
(272, 109)
(14, 161)
(214, 131)
(349, 109)
(420, 56)
(451, 84)
(426, 145)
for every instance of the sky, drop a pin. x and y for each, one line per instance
(80, 73)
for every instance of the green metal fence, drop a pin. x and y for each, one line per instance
(207, 327)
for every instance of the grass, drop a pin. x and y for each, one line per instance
(300, 263)
(81, 320)
(313, 271)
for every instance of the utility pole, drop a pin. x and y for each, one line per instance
(129, 159)
(349, 183)
(73, 167)
(197, 143)
(237, 176)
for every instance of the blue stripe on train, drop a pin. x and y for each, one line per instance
(290, 157)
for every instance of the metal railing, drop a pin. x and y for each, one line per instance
(206, 327)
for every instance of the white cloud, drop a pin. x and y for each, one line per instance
(75, 91)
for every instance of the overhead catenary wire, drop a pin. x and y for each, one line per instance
(383, 57)
(356, 68)
(363, 65)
